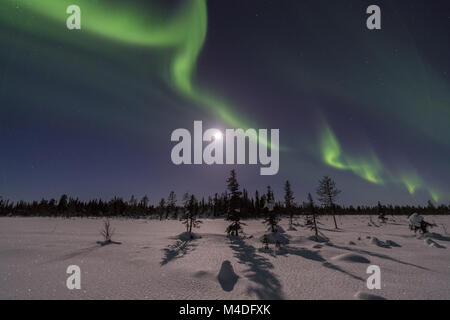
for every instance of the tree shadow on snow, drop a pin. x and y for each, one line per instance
(75, 254)
(268, 287)
(332, 229)
(80, 252)
(378, 255)
(315, 256)
(87, 250)
(107, 242)
(435, 236)
(177, 250)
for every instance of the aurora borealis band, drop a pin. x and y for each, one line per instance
(89, 112)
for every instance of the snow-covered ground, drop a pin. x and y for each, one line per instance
(153, 262)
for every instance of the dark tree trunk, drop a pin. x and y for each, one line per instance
(334, 216)
(315, 225)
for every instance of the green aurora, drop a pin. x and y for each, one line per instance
(184, 33)
(181, 34)
(368, 168)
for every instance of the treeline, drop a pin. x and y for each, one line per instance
(246, 205)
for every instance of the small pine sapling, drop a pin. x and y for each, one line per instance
(265, 242)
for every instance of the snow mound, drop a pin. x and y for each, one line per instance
(392, 243)
(432, 243)
(378, 242)
(318, 239)
(351, 257)
(278, 229)
(186, 236)
(367, 296)
(273, 237)
(201, 274)
(226, 277)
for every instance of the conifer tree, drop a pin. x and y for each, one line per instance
(62, 204)
(257, 203)
(313, 212)
(271, 218)
(190, 216)
(143, 204)
(234, 214)
(381, 213)
(161, 208)
(328, 194)
(171, 205)
(289, 201)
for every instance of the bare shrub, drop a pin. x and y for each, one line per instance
(107, 232)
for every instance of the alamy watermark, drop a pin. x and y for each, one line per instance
(373, 22)
(228, 148)
(73, 22)
(374, 280)
(74, 280)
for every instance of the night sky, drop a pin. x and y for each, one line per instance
(90, 112)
